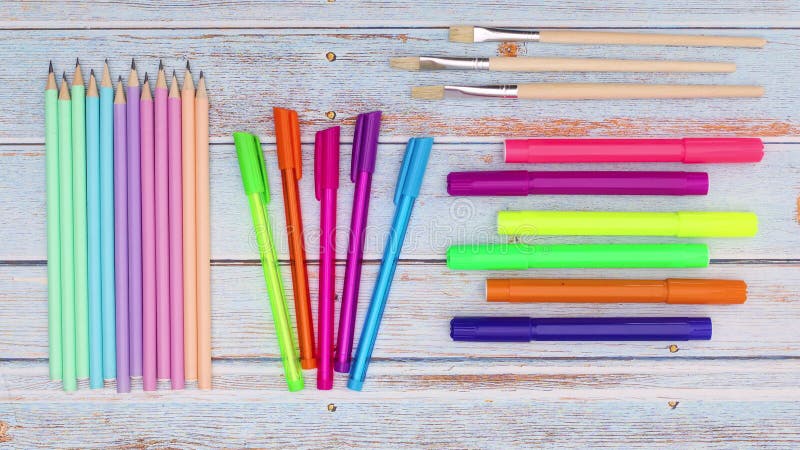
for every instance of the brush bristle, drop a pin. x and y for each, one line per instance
(427, 92)
(464, 34)
(405, 63)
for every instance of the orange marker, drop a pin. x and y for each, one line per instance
(287, 135)
(673, 290)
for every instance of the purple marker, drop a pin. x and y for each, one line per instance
(121, 240)
(326, 184)
(520, 182)
(134, 224)
(524, 329)
(365, 147)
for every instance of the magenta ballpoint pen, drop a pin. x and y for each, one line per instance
(365, 146)
(326, 183)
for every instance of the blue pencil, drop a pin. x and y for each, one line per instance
(108, 300)
(93, 227)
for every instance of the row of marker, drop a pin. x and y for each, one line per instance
(128, 231)
(682, 224)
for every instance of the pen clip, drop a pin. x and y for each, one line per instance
(287, 137)
(365, 143)
(414, 161)
(262, 165)
(326, 160)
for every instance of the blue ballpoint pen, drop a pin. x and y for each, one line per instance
(406, 192)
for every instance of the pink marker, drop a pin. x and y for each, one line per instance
(162, 228)
(326, 183)
(175, 234)
(146, 143)
(687, 150)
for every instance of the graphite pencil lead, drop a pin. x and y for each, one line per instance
(187, 65)
(160, 65)
(77, 62)
(133, 64)
(51, 66)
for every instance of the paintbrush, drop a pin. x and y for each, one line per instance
(529, 64)
(586, 91)
(471, 34)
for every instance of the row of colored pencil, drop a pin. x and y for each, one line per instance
(128, 231)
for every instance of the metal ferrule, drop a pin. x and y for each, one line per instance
(481, 34)
(434, 63)
(499, 91)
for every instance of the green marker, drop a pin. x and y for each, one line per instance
(254, 178)
(53, 242)
(590, 223)
(80, 224)
(563, 256)
(67, 242)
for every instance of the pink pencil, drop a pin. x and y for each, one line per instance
(175, 235)
(162, 228)
(148, 239)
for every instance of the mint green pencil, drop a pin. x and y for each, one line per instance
(53, 243)
(67, 247)
(80, 224)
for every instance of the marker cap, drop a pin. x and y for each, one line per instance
(365, 143)
(287, 137)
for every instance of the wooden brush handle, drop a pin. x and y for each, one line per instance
(603, 91)
(525, 64)
(605, 37)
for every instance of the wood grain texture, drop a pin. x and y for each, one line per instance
(388, 13)
(769, 189)
(416, 322)
(249, 71)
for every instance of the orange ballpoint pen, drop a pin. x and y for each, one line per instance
(287, 135)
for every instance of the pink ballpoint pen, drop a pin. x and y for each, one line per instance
(365, 146)
(326, 183)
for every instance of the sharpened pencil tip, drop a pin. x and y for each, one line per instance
(106, 61)
(51, 66)
(173, 73)
(77, 62)
(119, 79)
(133, 64)
(91, 72)
(145, 77)
(201, 74)
(187, 65)
(160, 65)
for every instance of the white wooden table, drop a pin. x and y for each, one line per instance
(738, 390)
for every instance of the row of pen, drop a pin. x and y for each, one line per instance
(128, 238)
(326, 182)
(682, 224)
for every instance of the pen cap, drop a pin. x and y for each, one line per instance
(415, 160)
(326, 160)
(691, 291)
(287, 137)
(365, 143)
(501, 182)
(491, 329)
(251, 164)
(722, 150)
(717, 224)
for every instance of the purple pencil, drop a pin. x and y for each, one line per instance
(365, 147)
(162, 228)
(175, 234)
(147, 144)
(134, 224)
(121, 240)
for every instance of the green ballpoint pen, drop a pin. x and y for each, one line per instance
(256, 187)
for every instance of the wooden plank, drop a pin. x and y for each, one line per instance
(544, 379)
(386, 13)
(249, 71)
(426, 296)
(432, 422)
(768, 189)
